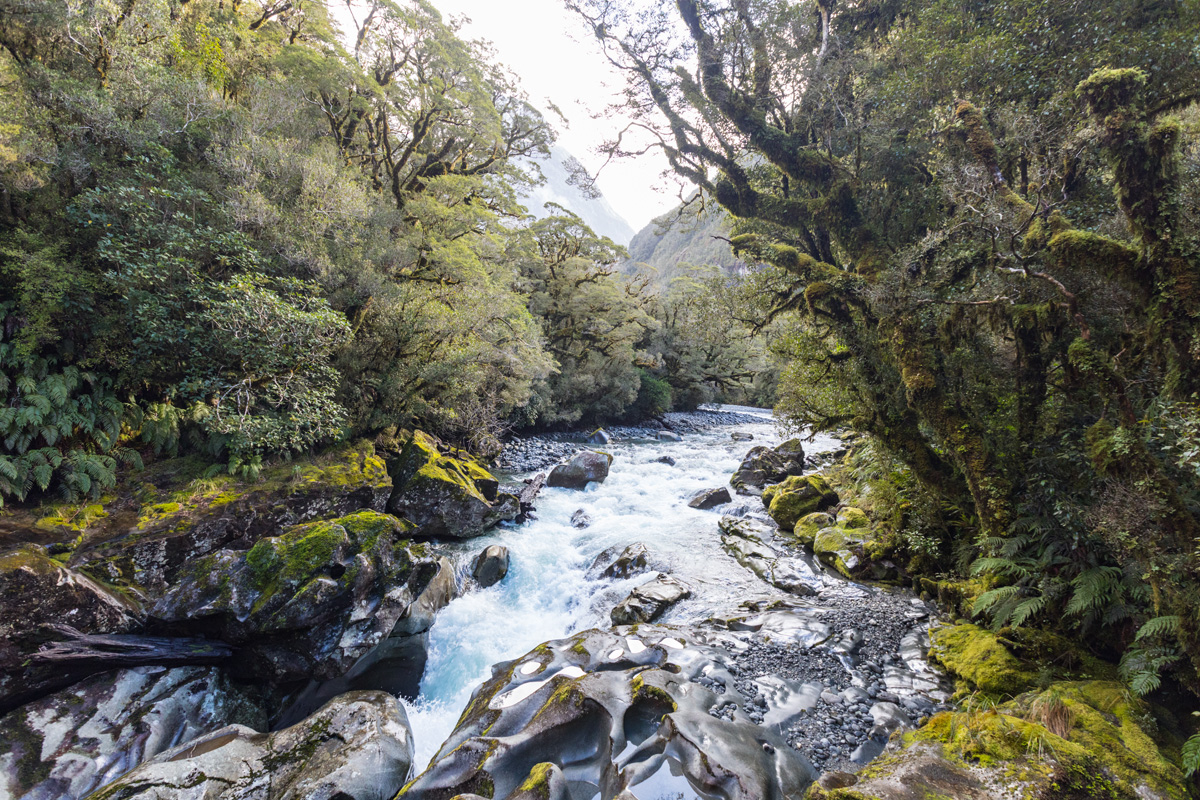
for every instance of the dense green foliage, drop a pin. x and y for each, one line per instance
(251, 229)
(974, 239)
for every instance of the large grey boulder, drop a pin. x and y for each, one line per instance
(668, 436)
(621, 563)
(710, 499)
(763, 466)
(599, 436)
(582, 469)
(650, 601)
(70, 743)
(445, 492)
(356, 747)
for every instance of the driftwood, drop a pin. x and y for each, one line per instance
(106, 651)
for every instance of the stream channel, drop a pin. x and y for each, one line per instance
(548, 594)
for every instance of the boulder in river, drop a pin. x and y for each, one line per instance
(710, 498)
(763, 466)
(490, 566)
(619, 711)
(357, 746)
(630, 561)
(580, 519)
(649, 601)
(599, 436)
(670, 462)
(668, 436)
(797, 497)
(582, 469)
(739, 436)
(447, 495)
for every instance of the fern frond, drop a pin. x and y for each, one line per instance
(1160, 626)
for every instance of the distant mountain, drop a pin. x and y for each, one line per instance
(561, 187)
(680, 239)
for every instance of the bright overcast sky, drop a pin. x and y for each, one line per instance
(556, 59)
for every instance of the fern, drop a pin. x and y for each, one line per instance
(1160, 626)
(1191, 755)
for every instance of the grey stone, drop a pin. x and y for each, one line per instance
(490, 566)
(581, 470)
(649, 601)
(710, 499)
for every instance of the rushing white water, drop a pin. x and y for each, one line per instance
(547, 594)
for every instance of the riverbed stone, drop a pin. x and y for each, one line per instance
(650, 601)
(806, 528)
(668, 436)
(796, 497)
(358, 746)
(582, 469)
(580, 519)
(620, 563)
(709, 499)
(743, 539)
(446, 492)
(74, 741)
(764, 465)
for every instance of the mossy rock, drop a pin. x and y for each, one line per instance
(797, 497)
(807, 527)
(980, 657)
(1072, 741)
(445, 492)
(851, 517)
(840, 548)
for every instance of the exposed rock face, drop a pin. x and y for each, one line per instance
(581, 470)
(614, 710)
(490, 566)
(167, 535)
(356, 746)
(306, 604)
(763, 466)
(76, 740)
(36, 591)
(445, 492)
(649, 601)
(710, 499)
(630, 561)
(796, 497)
(743, 539)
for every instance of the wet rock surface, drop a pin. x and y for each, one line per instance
(358, 746)
(76, 740)
(490, 566)
(613, 711)
(710, 498)
(582, 469)
(649, 601)
(763, 466)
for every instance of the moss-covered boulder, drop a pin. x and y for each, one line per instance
(1072, 741)
(307, 604)
(358, 745)
(446, 492)
(75, 740)
(37, 591)
(851, 517)
(796, 497)
(979, 657)
(841, 548)
(807, 527)
(179, 516)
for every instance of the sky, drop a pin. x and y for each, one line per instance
(557, 60)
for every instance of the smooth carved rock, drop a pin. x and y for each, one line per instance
(358, 746)
(447, 494)
(650, 601)
(582, 469)
(626, 563)
(710, 499)
(490, 566)
(743, 539)
(620, 711)
(70, 743)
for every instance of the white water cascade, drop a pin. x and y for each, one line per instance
(547, 593)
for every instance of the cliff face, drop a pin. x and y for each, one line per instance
(591, 206)
(685, 237)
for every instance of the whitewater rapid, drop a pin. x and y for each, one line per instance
(547, 593)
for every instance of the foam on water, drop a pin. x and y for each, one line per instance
(547, 595)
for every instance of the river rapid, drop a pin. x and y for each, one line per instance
(549, 591)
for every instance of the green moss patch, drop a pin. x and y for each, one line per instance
(979, 657)
(797, 497)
